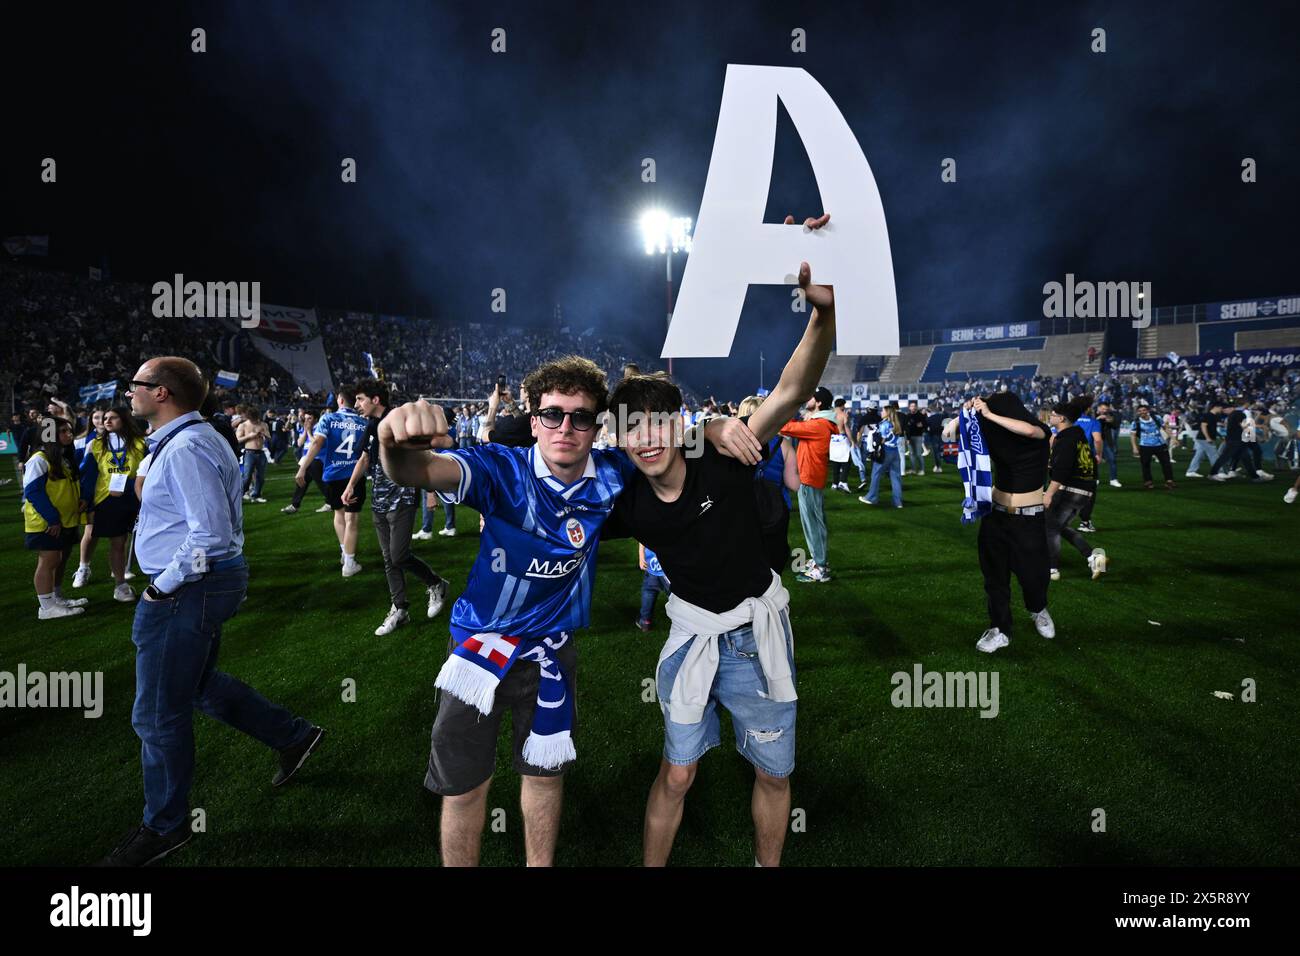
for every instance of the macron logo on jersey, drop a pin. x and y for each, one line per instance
(538, 568)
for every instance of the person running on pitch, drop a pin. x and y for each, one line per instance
(393, 511)
(730, 645)
(1073, 474)
(529, 590)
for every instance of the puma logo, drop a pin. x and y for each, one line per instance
(705, 505)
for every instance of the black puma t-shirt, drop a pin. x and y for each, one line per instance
(709, 540)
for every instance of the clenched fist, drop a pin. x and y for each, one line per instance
(413, 425)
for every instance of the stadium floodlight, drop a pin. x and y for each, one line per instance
(663, 235)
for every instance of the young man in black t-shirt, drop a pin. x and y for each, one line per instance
(1013, 536)
(1073, 474)
(730, 644)
(393, 508)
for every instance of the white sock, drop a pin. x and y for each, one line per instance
(349, 558)
(47, 601)
(83, 567)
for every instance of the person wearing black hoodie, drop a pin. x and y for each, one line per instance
(1013, 536)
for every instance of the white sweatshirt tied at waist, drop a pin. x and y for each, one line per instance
(691, 623)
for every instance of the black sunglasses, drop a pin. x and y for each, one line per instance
(581, 419)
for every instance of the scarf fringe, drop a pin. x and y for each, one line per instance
(468, 683)
(549, 752)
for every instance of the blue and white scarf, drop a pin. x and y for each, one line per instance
(479, 662)
(975, 467)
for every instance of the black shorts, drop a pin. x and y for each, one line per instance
(334, 495)
(463, 747)
(40, 541)
(114, 517)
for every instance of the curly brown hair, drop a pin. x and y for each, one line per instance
(570, 375)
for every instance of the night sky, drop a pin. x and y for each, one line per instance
(522, 170)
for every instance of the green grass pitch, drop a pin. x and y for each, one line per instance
(1118, 712)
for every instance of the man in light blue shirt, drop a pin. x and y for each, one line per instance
(189, 541)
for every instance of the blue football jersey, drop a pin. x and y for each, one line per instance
(345, 440)
(536, 565)
(652, 564)
(1089, 425)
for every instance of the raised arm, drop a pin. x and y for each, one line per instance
(406, 435)
(801, 374)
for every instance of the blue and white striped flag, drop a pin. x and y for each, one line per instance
(226, 379)
(370, 363)
(104, 392)
(975, 467)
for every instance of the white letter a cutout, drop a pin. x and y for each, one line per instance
(733, 247)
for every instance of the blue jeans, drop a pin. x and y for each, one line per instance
(1205, 451)
(916, 444)
(1108, 453)
(763, 728)
(254, 464)
(651, 586)
(812, 516)
(176, 642)
(856, 455)
(426, 514)
(893, 464)
(936, 448)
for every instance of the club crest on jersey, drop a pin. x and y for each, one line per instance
(573, 530)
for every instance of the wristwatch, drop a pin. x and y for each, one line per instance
(155, 594)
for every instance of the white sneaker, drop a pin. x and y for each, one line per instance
(1043, 621)
(395, 619)
(1054, 574)
(247, 496)
(59, 610)
(289, 510)
(81, 578)
(351, 568)
(123, 593)
(448, 532)
(437, 597)
(1220, 476)
(1290, 496)
(323, 508)
(863, 499)
(71, 602)
(1263, 474)
(992, 640)
(1114, 483)
(422, 535)
(936, 470)
(1097, 562)
(260, 501)
(128, 575)
(1194, 474)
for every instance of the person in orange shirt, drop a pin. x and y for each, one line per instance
(813, 455)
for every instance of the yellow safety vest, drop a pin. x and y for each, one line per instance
(127, 463)
(64, 494)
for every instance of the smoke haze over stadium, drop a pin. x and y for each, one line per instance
(522, 170)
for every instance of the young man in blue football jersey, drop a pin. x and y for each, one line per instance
(529, 590)
(340, 437)
(730, 644)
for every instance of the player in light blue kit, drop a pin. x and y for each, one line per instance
(339, 438)
(529, 589)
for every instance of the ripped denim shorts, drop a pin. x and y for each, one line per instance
(764, 728)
